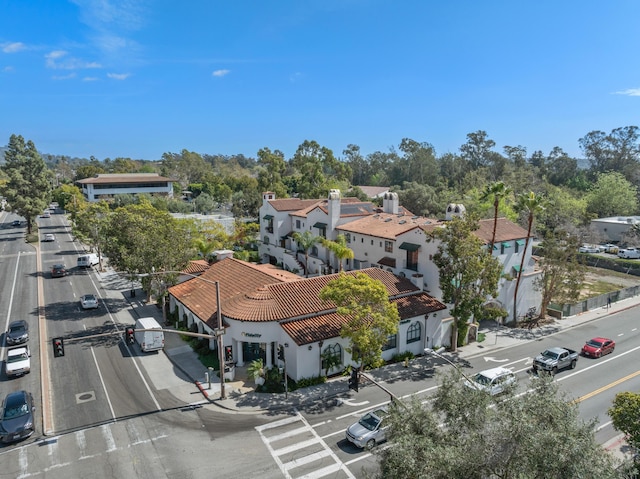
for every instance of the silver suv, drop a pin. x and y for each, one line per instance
(369, 430)
(494, 381)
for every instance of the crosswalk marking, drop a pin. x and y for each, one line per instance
(288, 468)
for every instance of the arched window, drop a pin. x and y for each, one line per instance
(266, 240)
(331, 356)
(314, 251)
(413, 333)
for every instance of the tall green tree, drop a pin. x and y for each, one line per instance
(497, 192)
(316, 167)
(625, 414)
(142, 240)
(305, 242)
(370, 318)
(469, 274)
(531, 205)
(477, 149)
(562, 273)
(28, 187)
(465, 433)
(91, 225)
(612, 195)
(339, 249)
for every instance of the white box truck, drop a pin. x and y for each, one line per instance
(87, 260)
(149, 340)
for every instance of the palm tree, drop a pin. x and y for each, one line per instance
(532, 205)
(497, 191)
(305, 242)
(204, 247)
(339, 248)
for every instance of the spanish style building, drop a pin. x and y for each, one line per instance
(263, 307)
(106, 186)
(390, 238)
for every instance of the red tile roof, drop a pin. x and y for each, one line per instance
(248, 293)
(196, 266)
(291, 204)
(506, 230)
(386, 225)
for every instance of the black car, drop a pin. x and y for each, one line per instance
(18, 332)
(58, 271)
(16, 223)
(16, 419)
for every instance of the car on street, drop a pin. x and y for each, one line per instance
(588, 248)
(49, 237)
(16, 223)
(369, 430)
(17, 333)
(18, 361)
(58, 270)
(598, 347)
(46, 214)
(608, 248)
(89, 301)
(493, 381)
(16, 417)
(629, 253)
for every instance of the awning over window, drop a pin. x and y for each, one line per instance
(267, 217)
(520, 242)
(320, 225)
(517, 268)
(506, 244)
(388, 261)
(410, 246)
(287, 235)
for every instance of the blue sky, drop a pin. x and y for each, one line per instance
(128, 78)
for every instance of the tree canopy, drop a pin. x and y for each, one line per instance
(467, 433)
(370, 318)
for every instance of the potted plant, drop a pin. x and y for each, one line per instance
(255, 371)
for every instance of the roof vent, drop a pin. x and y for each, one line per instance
(402, 222)
(387, 220)
(415, 217)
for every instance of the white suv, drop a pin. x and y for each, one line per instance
(494, 381)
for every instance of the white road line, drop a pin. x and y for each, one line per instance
(297, 446)
(23, 461)
(325, 471)
(284, 435)
(108, 437)
(301, 461)
(279, 423)
(104, 386)
(81, 442)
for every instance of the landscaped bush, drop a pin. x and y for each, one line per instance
(306, 382)
(396, 358)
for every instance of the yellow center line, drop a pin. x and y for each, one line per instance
(608, 386)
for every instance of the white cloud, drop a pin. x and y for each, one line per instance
(13, 47)
(295, 77)
(220, 73)
(64, 77)
(8, 69)
(59, 60)
(118, 76)
(629, 92)
(90, 79)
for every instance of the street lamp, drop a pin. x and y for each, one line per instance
(220, 330)
(431, 352)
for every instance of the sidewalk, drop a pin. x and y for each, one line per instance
(240, 395)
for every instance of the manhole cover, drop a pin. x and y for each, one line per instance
(85, 397)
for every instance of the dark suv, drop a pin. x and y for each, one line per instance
(58, 271)
(16, 419)
(17, 333)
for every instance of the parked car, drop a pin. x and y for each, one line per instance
(49, 237)
(598, 347)
(369, 430)
(629, 253)
(46, 214)
(89, 301)
(494, 381)
(58, 270)
(16, 418)
(588, 248)
(609, 248)
(18, 332)
(16, 223)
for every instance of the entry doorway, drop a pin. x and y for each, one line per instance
(253, 351)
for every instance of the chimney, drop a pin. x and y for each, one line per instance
(416, 279)
(334, 210)
(390, 203)
(454, 210)
(268, 196)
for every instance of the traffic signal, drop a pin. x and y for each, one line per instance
(281, 353)
(58, 347)
(129, 334)
(354, 380)
(228, 353)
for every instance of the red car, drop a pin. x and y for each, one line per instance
(598, 347)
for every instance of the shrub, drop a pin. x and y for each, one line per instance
(306, 382)
(396, 358)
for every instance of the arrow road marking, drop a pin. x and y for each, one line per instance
(490, 358)
(349, 403)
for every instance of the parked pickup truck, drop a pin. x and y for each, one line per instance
(554, 359)
(629, 253)
(18, 361)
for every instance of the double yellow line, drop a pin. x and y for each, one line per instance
(604, 388)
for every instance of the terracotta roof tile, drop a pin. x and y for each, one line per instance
(385, 225)
(196, 267)
(291, 204)
(506, 230)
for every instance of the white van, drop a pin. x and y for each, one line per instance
(149, 340)
(87, 260)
